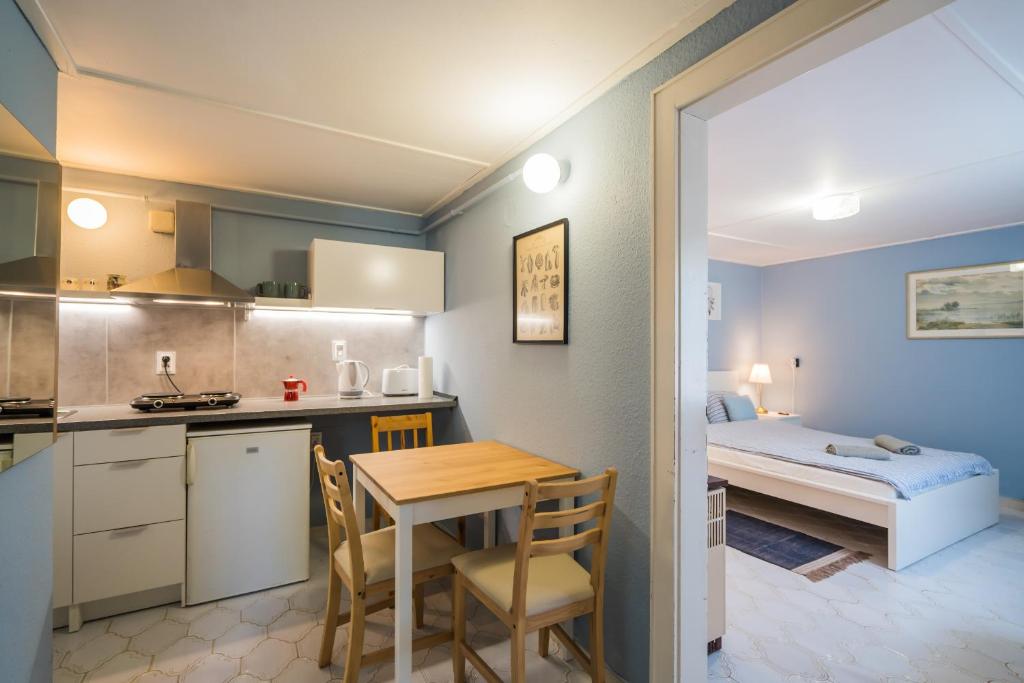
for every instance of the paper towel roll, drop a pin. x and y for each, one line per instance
(426, 377)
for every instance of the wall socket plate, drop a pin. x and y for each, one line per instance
(339, 350)
(316, 439)
(172, 366)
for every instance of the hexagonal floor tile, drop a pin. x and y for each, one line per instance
(183, 654)
(94, 653)
(269, 658)
(240, 640)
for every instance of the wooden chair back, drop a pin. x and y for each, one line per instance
(390, 425)
(599, 511)
(341, 516)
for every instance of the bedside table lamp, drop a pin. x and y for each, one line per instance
(760, 375)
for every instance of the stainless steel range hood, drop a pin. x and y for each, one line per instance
(191, 281)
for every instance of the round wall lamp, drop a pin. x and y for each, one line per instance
(87, 213)
(542, 173)
(836, 206)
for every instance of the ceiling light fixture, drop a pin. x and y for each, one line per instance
(541, 173)
(836, 206)
(87, 213)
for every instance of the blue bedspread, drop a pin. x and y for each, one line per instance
(908, 474)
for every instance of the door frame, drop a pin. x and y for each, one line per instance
(766, 56)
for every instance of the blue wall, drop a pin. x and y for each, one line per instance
(586, 404)
(28, 89)
(845, 317)
(28, 77)
(26, 570)
(734, 342)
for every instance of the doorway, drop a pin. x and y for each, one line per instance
(802, 37)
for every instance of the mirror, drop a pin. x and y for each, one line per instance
(29, 254)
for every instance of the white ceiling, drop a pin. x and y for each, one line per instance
(926, 124)
(394, 105)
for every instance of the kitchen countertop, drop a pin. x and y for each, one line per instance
(84, 418)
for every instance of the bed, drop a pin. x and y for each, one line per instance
(920, 520)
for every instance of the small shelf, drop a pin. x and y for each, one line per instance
(282, 303)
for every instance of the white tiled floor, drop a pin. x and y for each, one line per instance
(273, 636)
(954, 617)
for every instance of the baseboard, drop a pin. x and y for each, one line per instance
(121, 604)
(1011, 505)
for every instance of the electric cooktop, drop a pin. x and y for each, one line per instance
(206, 399)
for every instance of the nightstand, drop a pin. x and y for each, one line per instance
(792, 418)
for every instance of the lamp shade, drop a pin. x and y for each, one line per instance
(541, 173)
(87, 213)
(760, 374)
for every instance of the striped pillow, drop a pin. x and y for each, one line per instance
(716, 408)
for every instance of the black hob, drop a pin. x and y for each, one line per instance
(206, 399)
(23, 406)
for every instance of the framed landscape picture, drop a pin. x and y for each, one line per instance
(984, 301)
(540, 285)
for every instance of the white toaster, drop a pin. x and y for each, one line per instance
(400, 381)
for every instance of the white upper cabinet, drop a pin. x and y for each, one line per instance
(349, 275)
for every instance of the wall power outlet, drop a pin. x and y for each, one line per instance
(172, 366)
(339, 350)
(316, 439)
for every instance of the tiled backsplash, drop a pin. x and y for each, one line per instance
(26, 348)
(108, 353)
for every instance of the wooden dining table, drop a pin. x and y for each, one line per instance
(423, 485)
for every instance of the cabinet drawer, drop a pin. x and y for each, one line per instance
(122, 494)
(109, 563)
(117, 445)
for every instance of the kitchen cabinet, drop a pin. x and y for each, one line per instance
(138, 443)
(248, 509)
(128, 493)
(120, 520)
(123, 561)
(63, 518)
(370, 277)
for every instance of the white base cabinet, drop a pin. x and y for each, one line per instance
(119, 514)
(129, 560)
(127, 494)
(122, 510)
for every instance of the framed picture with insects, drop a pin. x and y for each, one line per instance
(540, 285)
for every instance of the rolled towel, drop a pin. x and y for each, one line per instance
(855, 451)
(894, 445)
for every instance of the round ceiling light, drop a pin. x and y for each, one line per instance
(836, 206)
(87, 213)
(541, 173)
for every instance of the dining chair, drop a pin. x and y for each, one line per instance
(384, 428)
(534, 585)
(365, 565)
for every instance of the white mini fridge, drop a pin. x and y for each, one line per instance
(247, 509)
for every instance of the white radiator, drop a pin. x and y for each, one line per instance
(716, 567)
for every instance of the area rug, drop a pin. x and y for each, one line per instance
(808, 556)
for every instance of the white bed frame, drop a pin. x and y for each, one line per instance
(916, 528)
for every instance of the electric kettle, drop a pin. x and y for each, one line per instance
(352, 378)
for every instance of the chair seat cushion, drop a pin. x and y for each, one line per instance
(552, 581)
(431, 548)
